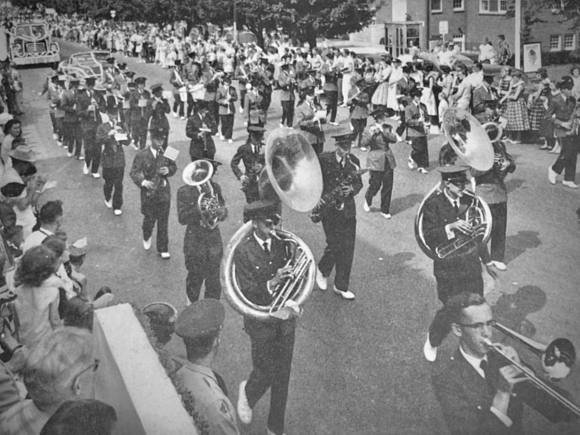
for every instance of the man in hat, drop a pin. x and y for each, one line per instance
(200, 325)
(342, 181)
(443, 221)
(380, 161)
(71, 126)
(202, 245)
(177, 82)
(358, 100)
(253, 104)
(191, 73)
(200, 128)
(226, 96)
(329, 71)
(251, 154)
(157, 110)
(482, 99)
(287, 83)
(347, 72)
(111, 137)
(260, 262)
(90, 104)
(139, 116)
(266, 72)
(310, 120)
(149, 172)
(415, 118)
(110, 73)
(242, 75)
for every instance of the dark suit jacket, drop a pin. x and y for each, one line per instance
(90, 120)
(332, 174)
(305, 117)
(559, 111)
(380, 142)
(415, 127)
(145, 167)
(220, 98)
(245, 153)
(157, 114)
(286, 87)
(200, 147)
(136, 111)
(67, 104)
(113, 153)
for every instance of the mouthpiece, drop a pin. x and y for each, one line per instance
(488, 343)
(275, 235)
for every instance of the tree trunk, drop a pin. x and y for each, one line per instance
(310, 36)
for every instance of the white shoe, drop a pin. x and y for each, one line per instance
(429, 351)
(96, 175)
(55, 136)
(222, 137)
(411, 163)
(348, 295)
(552, 175)
(281, 125)
(363, 148)
(244, 410)
(175, 115)
(386, 215)
(69, 154)
(570, 184)
(499, 265)
(269, 432)
(136, 147)
(366, 206)
(556, 150)
(86, 169)
(147, 244)
(423, 171)
(333, 123)
(165, 255)
(230, 141)
(399, 138)
(321, 280)
(183, 118)
(81, 158)
(118, 212)
(59, 143)
(109, 203)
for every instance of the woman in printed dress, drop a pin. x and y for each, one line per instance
(380, 96)
(537, 104)
(516, 110)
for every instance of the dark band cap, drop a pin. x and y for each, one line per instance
(344, 140)
(130, 74)
(416, 92)
(492, 104)
(192, 54)
(141, 80)
(74, 82)
(158, 133)
(90, 81)
(261, 210)
(122, 66)
(453, 172)
(256, 129)
(201, 319)
(157, 87)
(111, 60)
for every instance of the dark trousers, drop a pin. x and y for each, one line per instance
(178, 105)
(252, 192)
(497, 237)
(447, 287)
(114, 185)
(140, 132)
(92, 151)
(272, 349)
(359, 127)
(340, 235)
(567, 159)
(53, 122)
(266, 101)
(59, 128)
(403, 125)
(287, 113)
(420, 151)
(190, 105)
(227, 125)
(72, 137)
(331, 105)
(157, 213)
(202, 261)
(376, 180)
(243, 93)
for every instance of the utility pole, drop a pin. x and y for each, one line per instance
(235, 20)
(517, 39)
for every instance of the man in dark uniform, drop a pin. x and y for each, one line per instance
(111, 137)
(199, 128)
(254, 113)
(478, 390)
(415, 117)
(89, 107)
(139, 118)
(287, 83)
(199, 325)
(149, 172)
(226, 97)
(443, 220)
(260, 263)
(342, 180)
(71, 126)
(157, 110)
(380, 161)
(331, 75)
(252, 154)
(202, 245)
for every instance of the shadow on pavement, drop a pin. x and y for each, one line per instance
(520, 243)
(399, 205)
(511, 310)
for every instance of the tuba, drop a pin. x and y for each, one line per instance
(293, 175)
(199, 173)
(469, 141)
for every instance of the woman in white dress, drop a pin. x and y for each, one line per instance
(428, 96)
(380, 96)
(396, 76)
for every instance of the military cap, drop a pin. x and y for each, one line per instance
(261, 210)
(177, 62)
(256, 129)
(90, 81)
(344, 140)
(308, 90)
(158, 133)
(122, 66)
(141, 80)
(130, 74)
(454, 173)
(201, 319)
(192, 54)
(227, 78)
(74, 82)
(110, 60)
(54, 78)
(415, 92)
(157, 87)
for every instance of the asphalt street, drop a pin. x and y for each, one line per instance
(358, 366)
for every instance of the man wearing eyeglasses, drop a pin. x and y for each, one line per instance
(260, 261)
(444, 221)
(478, 390)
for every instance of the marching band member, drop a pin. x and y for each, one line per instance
(287, 83)
(202, 245)
(113, 157)
(200, 128)
(252, 155)
(309, 121)
(253, 104)
(191, 75)
(71, 126)
(341, 178)
(226, 97)
(90, 105)
(415, 115)
(380, 160)
(260, 261)
(178, 83)
(358, 101)
(139, 118)
(330, 87)
(149, 172)
(242, 74)
(157, 110)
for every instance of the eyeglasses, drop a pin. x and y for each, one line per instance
(94, 366)
(480, 326)
(271, 222)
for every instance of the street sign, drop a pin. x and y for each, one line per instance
(443, 27)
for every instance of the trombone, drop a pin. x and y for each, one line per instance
(557, 360)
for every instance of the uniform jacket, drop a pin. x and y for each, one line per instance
(156, 111)
(68, 105)
(241, 74)
(210, 401)
(137, 112)
(253, 111)
(200, 147)
(287, 86)
(330, 76)
(333, 173)
(176, 79)
(360, 105)
(145, 167)
(305, 114)
(380, 142)
(226, 107)
(121, 83)
(90, 120)
(113, 154)
(415, 117)
(560, 110)
(245, 153)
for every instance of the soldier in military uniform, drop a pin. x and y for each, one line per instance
(157, 110)
(199, 325)
(202, 245)
(149, 172)
(252, 155)
(90, 104)
(260, 262)
(341, 179)
(139, 119)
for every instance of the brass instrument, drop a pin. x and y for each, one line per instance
(470, 142)
(293, 172)
(199, 173)
(158, 180)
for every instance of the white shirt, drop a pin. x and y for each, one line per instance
(261, 242)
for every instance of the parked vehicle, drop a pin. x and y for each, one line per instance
(31, 44)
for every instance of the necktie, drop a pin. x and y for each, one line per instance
(487, 374)
(266, 249)
(342, 163)
(456, 207)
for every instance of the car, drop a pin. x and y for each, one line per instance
(31, 44)
(86, 64)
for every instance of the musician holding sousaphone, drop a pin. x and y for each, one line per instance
(201, 207)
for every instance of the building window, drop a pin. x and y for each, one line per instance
(503, 6)
(555, 43)
(492, 6)
(458, 5)
(568, 42)
(436, 5)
